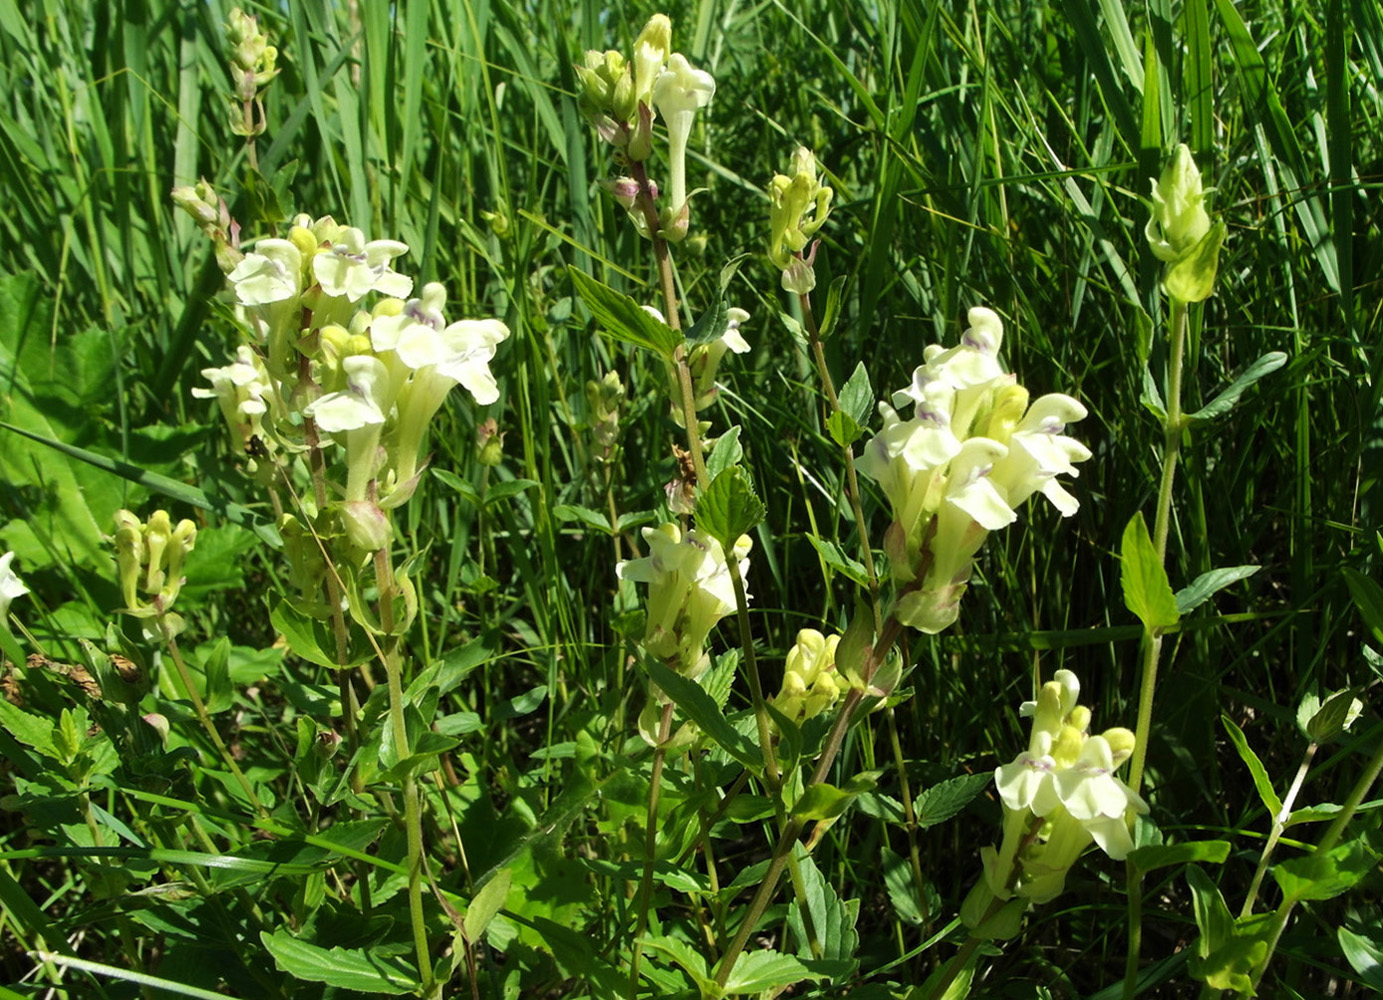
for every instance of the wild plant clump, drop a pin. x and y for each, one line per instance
(670, 658)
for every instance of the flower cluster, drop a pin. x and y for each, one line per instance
(963, 454)
(619, 97)
(150, 558)
(811, 683)
(252, 68)
(799, 205)
(689, 591)
(371, 379)
(1059, 795)
(1180, 232)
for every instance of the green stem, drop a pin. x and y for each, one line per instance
(751, 670)
(650, 844)
(663, 258)
(1152, 645)
(852, 483)
(1328, 841)
(204, 717)
(792, 829)
(412, 810)
(1279, 824)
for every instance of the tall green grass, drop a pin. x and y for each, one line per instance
(994, 154)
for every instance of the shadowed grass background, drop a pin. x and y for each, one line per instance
(994, 154)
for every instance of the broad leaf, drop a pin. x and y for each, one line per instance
(623, 318)
(363, 970)
(700, 707)
(942, 801)
(1167, 855)
(1146, 590)
(728, 508)
(486, 903)
(1203, 587)
(757, 971)
(1325, 875)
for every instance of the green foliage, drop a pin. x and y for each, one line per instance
(995, 155)
(1146, 590)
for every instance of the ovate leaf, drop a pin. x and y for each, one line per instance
(1325, 874)
(942, 801)
(728, 508)
(1146, 590)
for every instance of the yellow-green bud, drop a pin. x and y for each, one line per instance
(1179, 220)
(651, 50)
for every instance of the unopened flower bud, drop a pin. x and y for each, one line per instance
(366, 526)
(326, 744)
(489, 443)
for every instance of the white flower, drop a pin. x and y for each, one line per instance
(689, 590)
(352, 267)
(243, 391)
(1039, 451)
(360, 403)
(10, 585)
(678, 93)
(959, 452)
(270, 274)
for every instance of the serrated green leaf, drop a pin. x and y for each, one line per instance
(700, 708)
(834, 557)
(795, 330)
(1205, 586)
(729, 507)
(843, 428)
(727, 452)
(623, 318)
(363, 970)
(1325, 874)
(902, 891)
(1229, 396)
(1156, 856)
(857, 395)
(1255, 766)
(1367, 595)
(305, 636)
(690, 960)
(710, 325)
(757, 971)
(1146, 590)
(31, 730)
(942, 801)
(582, 515)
